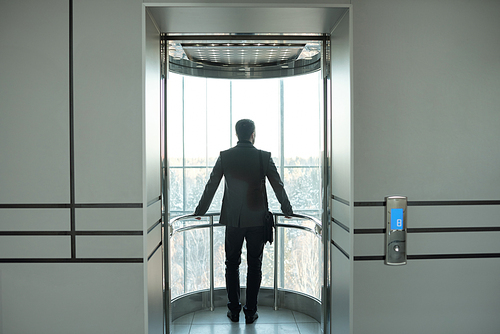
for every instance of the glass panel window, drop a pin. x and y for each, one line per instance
(219, 258)
(259, 100)
(301, 102)
(302, 262)
(201, 115)
(197, 261)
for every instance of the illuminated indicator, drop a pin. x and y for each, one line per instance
(396, 219)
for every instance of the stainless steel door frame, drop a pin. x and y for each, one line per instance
(325, 191)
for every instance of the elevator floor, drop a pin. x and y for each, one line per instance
(269, 322)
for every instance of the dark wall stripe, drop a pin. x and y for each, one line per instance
(71, 135)
(344, 227)
(35, 206)
(453, 229)
(340, 200)
(357, 204)
(154, 200)
(71, 233)
(154, 225)
(370, 258)
(434, 203)
(73, 260)
(340, 249)
(34, 233)
(454, 256)
(453, 203)
(154, 250)
(109, 205)
(432, 230)
(71, 205)
(369, 230)
(432, 257)
(108, 233)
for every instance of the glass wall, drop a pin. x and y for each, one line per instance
(200, 123)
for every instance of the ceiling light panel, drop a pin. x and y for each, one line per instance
(238, 54)
(244, 59)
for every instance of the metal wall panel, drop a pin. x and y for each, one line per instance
(341, 292)
(103, 247)
(442, 296)
(426, 102)
(153, 214)
(34, 102)
(155, 294)
(152, 110)
(426, 126)
(109, 219)
(34, 220)
(72, 298)
(341, 178)
(34, 247)
(108, 98)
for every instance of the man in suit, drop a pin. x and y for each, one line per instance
(243, 209)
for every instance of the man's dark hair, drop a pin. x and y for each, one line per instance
(244, 129)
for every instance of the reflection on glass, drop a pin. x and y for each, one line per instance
(219, 258)
(197, 252)
(303, 189)
(302, 262)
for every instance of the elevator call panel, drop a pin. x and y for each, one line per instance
(395, 235)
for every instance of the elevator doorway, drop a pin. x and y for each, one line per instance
(279, 82)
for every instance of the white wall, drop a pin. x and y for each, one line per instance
(71, 298)
(425, 73)
(426, 99)
(108, 101)
(74, 211)
(425, 125)
(34, 132)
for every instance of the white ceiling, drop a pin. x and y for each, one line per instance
(205, 20)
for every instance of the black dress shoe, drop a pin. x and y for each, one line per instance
(235, 317)
(249, 319)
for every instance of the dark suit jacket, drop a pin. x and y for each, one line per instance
(243, 204)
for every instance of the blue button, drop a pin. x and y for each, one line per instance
(396, 219)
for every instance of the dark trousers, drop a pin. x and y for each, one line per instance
(255, 246)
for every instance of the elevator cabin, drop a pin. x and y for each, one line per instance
(282, 82)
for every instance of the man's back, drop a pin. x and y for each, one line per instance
(243, 204)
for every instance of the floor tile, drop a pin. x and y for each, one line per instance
(184, 320)
(258, 328)
(282, 321)
(218, 316)
(309, 328)
(268, 315)
(218, 329)
(301, 317)
(181, 329)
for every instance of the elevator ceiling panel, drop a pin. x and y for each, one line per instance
(217, 20)
(231, 58)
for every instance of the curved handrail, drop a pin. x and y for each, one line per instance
(318, 228)
(317, 231)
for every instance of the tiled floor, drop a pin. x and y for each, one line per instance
(269, 322)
